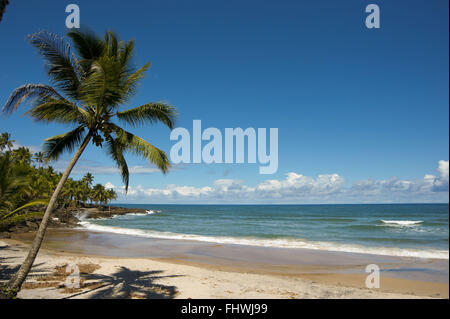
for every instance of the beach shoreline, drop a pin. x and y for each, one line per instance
(209, 270)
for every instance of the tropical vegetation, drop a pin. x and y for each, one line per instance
(26, 184)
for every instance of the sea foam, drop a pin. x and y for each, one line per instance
(402, 222)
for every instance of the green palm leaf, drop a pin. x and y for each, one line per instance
(29, 91)
(88, 46)
(104, 86)
(56, 145)
(60, 111)
(132, 81)
(142, 148)
(150, 112)
(126, 53)
(62, 67)
(115, 149)
(29, 204)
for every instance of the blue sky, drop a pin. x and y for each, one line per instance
(367, 105)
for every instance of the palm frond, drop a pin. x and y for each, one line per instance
(29, 91)
(61, 65)
(56, 145)
(112, 44)
(115, 149)
(133, 79)
(150, 112)
(88, 45)
(60, 111)
(104, 86)
(139, 146)
(126, 53)
(29, 204)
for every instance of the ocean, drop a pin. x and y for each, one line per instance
(409, 230)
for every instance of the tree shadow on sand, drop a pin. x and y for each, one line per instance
(7, 271)
(126, 283)
(9, 267)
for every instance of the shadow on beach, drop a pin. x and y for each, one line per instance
(121, 284)
(9, 265)
(127, 283)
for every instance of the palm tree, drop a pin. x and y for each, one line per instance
(102, 195)
(39, 158)
(88, 178)
(22, 155)
(6, 142)
(69, 192)
(98, 193)
(93, 83)
(111, 194)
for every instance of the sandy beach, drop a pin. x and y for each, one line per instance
(114, 266)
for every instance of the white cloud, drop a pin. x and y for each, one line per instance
(440, 183)
(109, 185)
(294, 188)
(297, 188)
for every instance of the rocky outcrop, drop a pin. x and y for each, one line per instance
(67, 217)
(108, 212)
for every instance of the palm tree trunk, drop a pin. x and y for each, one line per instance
(16, 282)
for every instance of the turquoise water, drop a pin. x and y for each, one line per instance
(419, 230)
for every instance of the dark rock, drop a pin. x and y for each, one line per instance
(31, 224)
(67, 217)
(108, 212)
(19, 229)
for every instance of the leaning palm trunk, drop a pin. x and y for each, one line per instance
(18, 279)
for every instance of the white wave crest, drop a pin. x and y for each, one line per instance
(147, 212)
(402, 222)
(150, 212)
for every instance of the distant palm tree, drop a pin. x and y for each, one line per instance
(6, 142)
(99, 194)
(22, 155)
(111, 194)
(39, 158)
(88, 178)
(69, 192)
(96, 82)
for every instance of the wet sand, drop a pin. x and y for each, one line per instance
(399, 275)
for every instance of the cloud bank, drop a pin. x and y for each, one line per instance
(296, 188)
